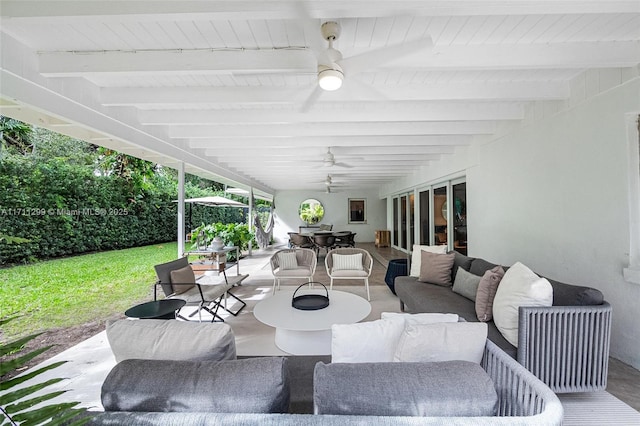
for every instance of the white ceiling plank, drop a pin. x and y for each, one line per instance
(334, 129)
(562, 55)
(547, 55)
(196, 96)
(336, 141)
(340, 152)
(413, 111)
(69, 64)
(225, 9)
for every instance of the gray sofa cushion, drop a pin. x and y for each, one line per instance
(573, 295)
(460, 261)
(256, 385)
(171, 340)
(480, 266)
(450, 388)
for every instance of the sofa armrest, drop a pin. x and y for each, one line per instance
(520, 393)
(567, 347)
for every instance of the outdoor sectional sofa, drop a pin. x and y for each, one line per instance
(565, 345)
(307, 390)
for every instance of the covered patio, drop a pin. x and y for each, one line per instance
(531, 105)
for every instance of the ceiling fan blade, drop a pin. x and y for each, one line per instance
(374, 58)
(311, 100)
(343, 165)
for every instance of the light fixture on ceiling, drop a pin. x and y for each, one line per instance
(330, 78)
(330, 74)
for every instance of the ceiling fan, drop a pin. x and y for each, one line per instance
(333, 68)
(329, 160)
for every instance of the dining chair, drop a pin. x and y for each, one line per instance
(344, 239)
(349, 264)
(324, 241)
(293, 263)
(297, 240)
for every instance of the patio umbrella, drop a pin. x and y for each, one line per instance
(215, 200)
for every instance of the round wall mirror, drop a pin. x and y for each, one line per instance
(311, 211)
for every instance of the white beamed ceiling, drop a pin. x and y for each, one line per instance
(229, 87)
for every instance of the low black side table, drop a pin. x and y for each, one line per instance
(157, 309)
(397, 267)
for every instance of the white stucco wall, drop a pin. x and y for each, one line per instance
(554, 194)
(336, 212)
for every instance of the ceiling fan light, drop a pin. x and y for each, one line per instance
(330, 79)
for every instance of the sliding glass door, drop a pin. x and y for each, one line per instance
(460, 217)
(403, 221)
(442, 215)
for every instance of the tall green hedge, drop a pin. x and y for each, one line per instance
(65, 208)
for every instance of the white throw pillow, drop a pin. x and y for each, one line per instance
(446, 341)
(347, 262)
(416, 257)
(426, 318)
(287, 260)
(520, 286)
(373, 341)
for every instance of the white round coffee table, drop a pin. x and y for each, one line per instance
(309, 332)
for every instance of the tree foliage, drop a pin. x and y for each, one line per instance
(15, 136)
(67, 197)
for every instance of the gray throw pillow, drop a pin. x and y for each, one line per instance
(442, 389)
(254, 385)
(436, 268)
(466, 284)
(170, 339)
(487, 292)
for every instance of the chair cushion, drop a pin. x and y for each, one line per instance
(371, 341)
(447, 341)
(253, 385)
(450, 388)
(287, 260)
(297, 272)
(163, 271)
(182, 279)
(376, 341)
(349, 274)
(170, 340)
(520, 286)
(347, 262)
(436, 268)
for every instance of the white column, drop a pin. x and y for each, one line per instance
(632, 273)
(181, 220)
(250, 219)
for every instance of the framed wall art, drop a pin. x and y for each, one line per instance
(357, 210)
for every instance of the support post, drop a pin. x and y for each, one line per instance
(250, 219)
(181, 235)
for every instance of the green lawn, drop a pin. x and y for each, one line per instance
(75, 290)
